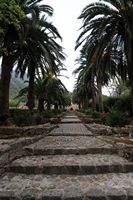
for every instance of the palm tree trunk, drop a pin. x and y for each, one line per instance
(48, 106)
(100, 102)
(41, 105)
(129, 54)
(6, 69)
(93, 96)
(31, 97)
(56, 106)
(131, 98)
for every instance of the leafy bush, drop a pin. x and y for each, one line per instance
(86, 111)
(56, 112)
(81, 110)
(95, 114)
(122, 103)
(23, 118)
(115, 118)
(48, 113)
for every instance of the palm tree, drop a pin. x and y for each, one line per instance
(10, 20)
(34, 45)
(40, 53)
(108, 24)
(48, 90)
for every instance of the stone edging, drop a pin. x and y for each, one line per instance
(15, 146)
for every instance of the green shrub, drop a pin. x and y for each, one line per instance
(115, 118)
(88, 111)
(95, 114)
(122, 103)
(23, 118)
(57, 111)
(48, 113)
(81, 110)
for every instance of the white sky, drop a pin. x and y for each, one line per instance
(65, 19)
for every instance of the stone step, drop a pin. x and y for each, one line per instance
(71, 116)
(72, 130)
(71, 164)
(70, 121)
(51, 145)
(61, 187)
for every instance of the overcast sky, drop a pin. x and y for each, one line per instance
(65, 19)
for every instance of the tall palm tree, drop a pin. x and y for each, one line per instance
(110, 24)
(10, 26)
(40, 53)
(26, 55)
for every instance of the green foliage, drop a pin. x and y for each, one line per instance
(51, 113)
(95, 114)
(57, 111)
(116, 118)
(121, 103)
(23, 118)
(90, 112)
(48, 113)
(13, 103)
(10, 14)
(11, 17)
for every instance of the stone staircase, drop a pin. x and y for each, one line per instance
(68, 164)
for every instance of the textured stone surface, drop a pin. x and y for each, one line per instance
(13, 148)
(69, 145)
(27, 131)
(71, 129)
(99, 129)
(102, 186)
(71, 164)
(71, 117)
(71, 120)
(80, 167)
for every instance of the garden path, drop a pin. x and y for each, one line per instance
(69, 164)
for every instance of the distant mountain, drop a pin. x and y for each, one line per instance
(16, 85)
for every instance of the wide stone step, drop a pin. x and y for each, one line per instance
(61, 187)
(71, 116)
(71, 130)
(71, 164)
(70, 120)
(52, 145)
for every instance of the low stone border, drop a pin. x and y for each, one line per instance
(27, 131)
(99, 129)
(11, 149)
(125, 151)
(123, 131)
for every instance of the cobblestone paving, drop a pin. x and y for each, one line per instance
(69, 145)
(69, 164)
(107, 186)
(5, 144)
(74, 129)
(70, 120)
